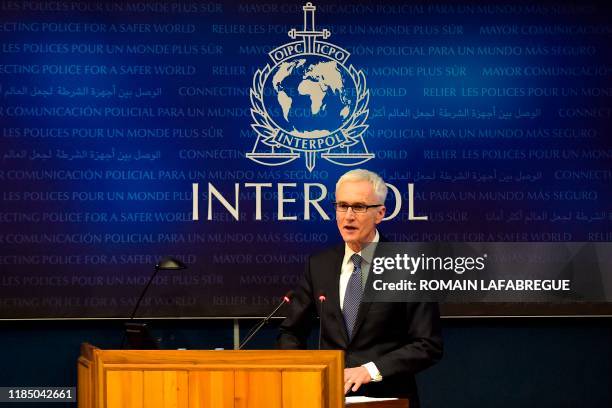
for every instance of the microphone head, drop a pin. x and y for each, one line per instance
(288, 296)
(322, 298)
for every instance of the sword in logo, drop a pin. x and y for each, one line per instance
(309, 34)
(336, 147)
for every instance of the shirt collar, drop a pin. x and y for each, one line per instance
(366, 254)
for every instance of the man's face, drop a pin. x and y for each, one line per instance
(358, 229)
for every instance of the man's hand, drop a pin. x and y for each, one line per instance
(355, 377)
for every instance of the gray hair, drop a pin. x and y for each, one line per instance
(378, 184)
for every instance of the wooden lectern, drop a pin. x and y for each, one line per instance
(209, 379)
(212, 379)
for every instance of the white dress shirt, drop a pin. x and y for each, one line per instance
(345, 275)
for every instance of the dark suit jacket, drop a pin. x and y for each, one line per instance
(400, 338)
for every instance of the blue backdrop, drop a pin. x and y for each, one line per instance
(498, 115)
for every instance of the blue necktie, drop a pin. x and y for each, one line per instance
(352, 296)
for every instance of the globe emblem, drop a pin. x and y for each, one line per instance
(310, 102)
(309, 96)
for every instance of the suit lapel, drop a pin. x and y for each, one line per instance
(364, 307)
(334, 292)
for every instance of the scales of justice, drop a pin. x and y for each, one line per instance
(343, 146)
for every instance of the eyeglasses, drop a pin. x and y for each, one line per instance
(357, 208)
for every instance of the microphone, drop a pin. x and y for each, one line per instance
(322, 300)
(286, 299)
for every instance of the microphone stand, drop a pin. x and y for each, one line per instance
(322, 300)
(253, 332)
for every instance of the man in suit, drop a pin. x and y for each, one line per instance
(385, 344)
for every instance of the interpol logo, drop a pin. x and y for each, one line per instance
(308, 102)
